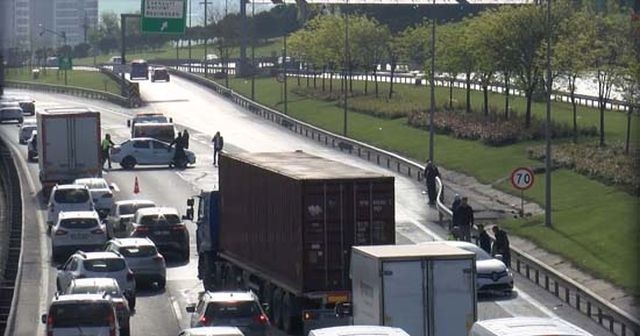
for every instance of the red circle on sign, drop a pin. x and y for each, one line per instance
(522, 178)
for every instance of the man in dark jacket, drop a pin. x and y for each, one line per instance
(501, 245)
(218, 143)
(430, 174)
(483, 240)
(179, 155)
(185, 139)
(463, 219)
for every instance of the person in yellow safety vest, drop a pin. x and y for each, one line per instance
(105, 145)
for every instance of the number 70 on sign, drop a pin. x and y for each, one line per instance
(522, 178)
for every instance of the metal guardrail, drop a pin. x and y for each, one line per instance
(72, 90)
(595, 307)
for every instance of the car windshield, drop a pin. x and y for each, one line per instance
(130, 209)
(110, 288)
(232, 309)
(169, 219)
(96, 184)
(78, 223)
(480, 253)
(90, 314)
(71, 196)
(138, 251)
(104, 265)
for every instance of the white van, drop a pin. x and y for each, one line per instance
(358, 330)
(526, 326)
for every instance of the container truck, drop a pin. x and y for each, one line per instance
(282, 225)
(427, 290)
(68, 145)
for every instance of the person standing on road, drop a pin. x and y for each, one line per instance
(430, 174)
(463, 219)
(501, 245)
(105, 146)
(218, 143)
(483, 240)
(185, 139)
(179, 154)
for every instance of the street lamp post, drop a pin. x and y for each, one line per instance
(432, 89)
(64, 44)
(189, 33)
(206, 38)
(548, 159)
(253, 50)
(284, 72)
(346, 68)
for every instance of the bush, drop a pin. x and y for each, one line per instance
(608, 164)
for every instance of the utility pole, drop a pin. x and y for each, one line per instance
(64, 45)
(346, 67)
(206, 37)
(253, 50)
(284, 72)
(432, 89)
(85, 27)
(189, 32)
(547, 132)
(123, 29)
(242, 64)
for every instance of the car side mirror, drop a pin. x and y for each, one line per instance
(344, 309)
(43, 318)
(191, 308)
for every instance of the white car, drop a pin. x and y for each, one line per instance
(68, 197)
(77, 230)
(211, 331)
(493, 276)
(146, 151)
(101, 192)
(26, 130)
(81, 314)
(529, 326)
(143, 258)
(98, 265)
(122, 213)
(11, 113)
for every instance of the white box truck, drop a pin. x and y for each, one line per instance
(68, 145)
(427, 290)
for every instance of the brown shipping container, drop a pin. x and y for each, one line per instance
(294, 216)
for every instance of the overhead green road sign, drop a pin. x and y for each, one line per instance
(163, 16)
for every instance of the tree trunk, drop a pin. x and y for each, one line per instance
(331, 82)
(451, 81)
(324, 75)
(366, 82)
(299, 73)
(307, 75)
(574, 106)
(393, 70)
(485, 93)
(315, 75)
(628, 137)
(527, 114)
(602, 107)
(506, 95)
(468, 82)
(375, 81)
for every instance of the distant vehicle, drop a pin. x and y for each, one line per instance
(492, 275)
(211, 331)
(139, 69)
(529, 326)
(358, 330)
(108, 287)
(164, 226)
(234, 309)
(161, 131)
(26, 130)
(159, 73)
(101, 193)
(51, 61)
(122, 212)
(27, 104)
(115, 60)
(98, 265)
(148, 117)
(147, 151)
(143, 258)
(11, 113)
(32, 146)
(81, 314)
(68, 197)
(211, 58)
(76, 230)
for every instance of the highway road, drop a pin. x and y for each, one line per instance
(204, 113)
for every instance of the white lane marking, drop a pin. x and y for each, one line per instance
(176, 308)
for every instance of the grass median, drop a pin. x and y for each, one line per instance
(79, 78)
(594, 225)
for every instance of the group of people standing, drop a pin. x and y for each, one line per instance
(463, 221)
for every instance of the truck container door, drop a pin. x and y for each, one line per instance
(403, 296)
(56, 147)
(454, 297)
(86, 157)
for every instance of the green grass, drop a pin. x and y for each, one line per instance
(269, 48)
(594, 225)
(79, 78)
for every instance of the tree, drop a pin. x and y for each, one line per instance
(448, 58)
(81, 50)
(368, 41)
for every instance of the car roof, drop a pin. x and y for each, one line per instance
(133, 241)
(94, 281)
(100, 255)
(126, 202)
(157, 210)
(530, 326)
(145, 138)
(89, 180)
(359, 330)
(79, 297)
(70, 186)
(213, 331)
(78, 214)
(228, 296)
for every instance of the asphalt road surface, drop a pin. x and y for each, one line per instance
(204, 113)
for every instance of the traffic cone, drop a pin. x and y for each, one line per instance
(136, 186)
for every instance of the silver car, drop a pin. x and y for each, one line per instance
(11, 113)
(122, 212)
(81, 314)
(76, 230)
(101, 193)
(26, 130)
(142, 258)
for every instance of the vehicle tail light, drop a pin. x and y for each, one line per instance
(141, 229)
(61, 232)
(130, 276)
(97, 231)
(179, 228)
(203, 321)
(49, 325)
(260, 319)
(107, 195)
(158, 258)
(112, 325)
(120, 305)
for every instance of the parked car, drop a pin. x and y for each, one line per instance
(68, 197)
(104, 286)
(81, 314)
(98, 265)
(164, 227)
(530, 326)
(159, 73)
(122, 212)
(235, 309)
(77, 230)
(147, 151)
(26, 130)
(143, 258)
(11, 113)
(101, 193)
(211, 331)
(493, 276)
(32, 147)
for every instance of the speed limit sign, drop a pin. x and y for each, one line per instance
(522, 178)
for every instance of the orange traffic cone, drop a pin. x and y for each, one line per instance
(136, 186)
